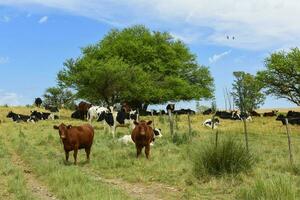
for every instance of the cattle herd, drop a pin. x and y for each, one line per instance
(142, 134)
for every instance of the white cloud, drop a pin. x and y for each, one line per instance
(10, 98)
(43, 19)
(5, 19)
(217, 57)
(256, 24)
(4, 60)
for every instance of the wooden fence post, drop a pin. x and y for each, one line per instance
(289, 140)
(246, 133)
(171, 123)
(190, 126)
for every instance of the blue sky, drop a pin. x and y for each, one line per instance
(37, 36)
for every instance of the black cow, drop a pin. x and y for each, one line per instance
(253, 113)
(38, 102)
(76, 114)
(207, 112)
(291, 120)
(19, 117)
(293, 114)
(270, 114)
(184, 112)
(51, 108)
(224, 114)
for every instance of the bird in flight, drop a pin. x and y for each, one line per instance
(228, 37)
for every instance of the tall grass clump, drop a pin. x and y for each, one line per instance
(229, 157)
(276, 188)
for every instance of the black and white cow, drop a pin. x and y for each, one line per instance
(208, 123)
(43, 115)
(126, 139)
(119, 119)
(170, 107)
(19, 117)
(96, 112)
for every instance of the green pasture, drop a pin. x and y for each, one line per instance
(170, 163)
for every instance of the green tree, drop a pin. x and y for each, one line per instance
(247, 95)
(247, 92)
(282, 75)
(138, 66)
(57, 96)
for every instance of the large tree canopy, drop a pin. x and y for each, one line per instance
(247, 91)
(282, 75)
(137, 66)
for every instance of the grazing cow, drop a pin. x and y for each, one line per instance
(95, 112)
(38, 102)
(207, 112)
(83, 108)
(76, 137)
(270, 114)
(18, 117)
(208, 123)
(76, 115)
(253, 113)
(43, 115)
(51, 108)
(119, 119)
(171, 107)
(291, 120)
(142, 135)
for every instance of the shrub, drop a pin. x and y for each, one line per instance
(180, 138)
(229, 157)
(276, 188)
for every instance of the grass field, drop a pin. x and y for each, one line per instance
(32, 157)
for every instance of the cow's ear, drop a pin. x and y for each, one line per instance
(136, 123)
(69, 126)
(55, 127)
(149, 122)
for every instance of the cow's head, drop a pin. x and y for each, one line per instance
(157, 132)
(133, 114)
(10, 114)
(62, 130)
(143, 127)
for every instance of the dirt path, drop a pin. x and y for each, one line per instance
(153, 191)
(38, 190)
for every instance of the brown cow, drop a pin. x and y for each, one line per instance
(270, 114)
(142, 135)
(83, 108)
(76, 137)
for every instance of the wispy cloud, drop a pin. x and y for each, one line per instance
(5, 19)
(255, 24)
(43, 19)
(4, 60)
(10, 98)
(217, 57)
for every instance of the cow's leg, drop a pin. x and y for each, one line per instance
(75, 154)
(147, 151)
(138, 150)
(67, 155)
(88, 151)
